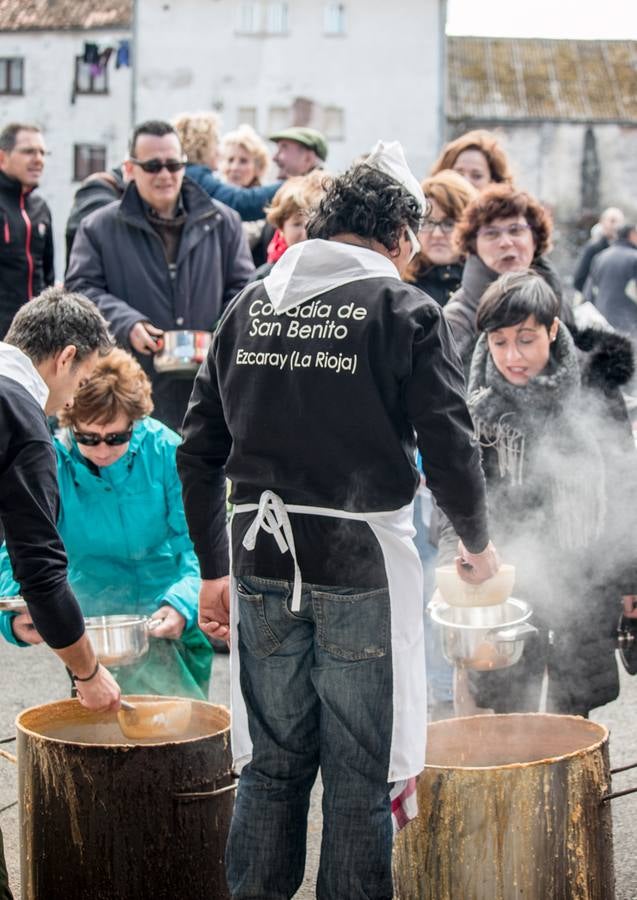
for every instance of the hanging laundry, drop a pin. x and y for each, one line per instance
(123, 54)
(91, 54)
(104, 57)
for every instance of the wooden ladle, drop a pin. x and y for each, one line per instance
(145, 719)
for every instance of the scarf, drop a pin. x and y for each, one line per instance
(540, 436)
(277, 247)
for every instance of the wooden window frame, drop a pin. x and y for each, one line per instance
(82, 168)
(92, 91)
(9, 62)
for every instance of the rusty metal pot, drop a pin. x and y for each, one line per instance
(106, 818)
(181, 352)
(511, 807)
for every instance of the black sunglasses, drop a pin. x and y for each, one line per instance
(156, 165)
(90, 439)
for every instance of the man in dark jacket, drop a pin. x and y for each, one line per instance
(613, 281)
(166, 257)
(320, 382)
(53, 343)
(96, 191)
(102, 188)
(26, 239)
(609, 221)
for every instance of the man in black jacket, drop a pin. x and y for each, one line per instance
(52, 345)
(609, 222)
(321, 382)
(612, 285)
(166, 257)
(26, 239)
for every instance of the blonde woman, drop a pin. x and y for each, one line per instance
(199, 136)
(243, 157)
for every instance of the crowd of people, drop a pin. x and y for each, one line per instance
(376, 338)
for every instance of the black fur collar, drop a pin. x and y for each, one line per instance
(609, 360)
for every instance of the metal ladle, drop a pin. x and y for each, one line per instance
(144, 719)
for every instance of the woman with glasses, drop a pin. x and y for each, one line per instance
(122, 522)
(502, 230)
(437, 270)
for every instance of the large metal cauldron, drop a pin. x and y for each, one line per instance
(511, 807)
(106, 819)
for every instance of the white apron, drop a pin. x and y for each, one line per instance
(394, 531)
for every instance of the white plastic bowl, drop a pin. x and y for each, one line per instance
(457, 592)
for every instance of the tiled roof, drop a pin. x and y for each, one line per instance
(54, 15)
(536, 79)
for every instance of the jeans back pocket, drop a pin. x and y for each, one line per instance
(353, 625)
(254, 630)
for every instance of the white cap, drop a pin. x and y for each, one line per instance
(390, 158)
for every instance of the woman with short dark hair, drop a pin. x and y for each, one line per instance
(558, 458)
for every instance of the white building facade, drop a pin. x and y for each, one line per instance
(354, 70)
(83, 110)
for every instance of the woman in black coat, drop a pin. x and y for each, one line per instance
(558, 457)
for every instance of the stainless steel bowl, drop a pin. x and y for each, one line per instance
(483, 637)
(120, 640)
(13, 604)
(181, 352)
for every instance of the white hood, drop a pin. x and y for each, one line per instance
(16, 365)
(390, 159)
(313, 267)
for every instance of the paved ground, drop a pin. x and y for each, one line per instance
(30, 677)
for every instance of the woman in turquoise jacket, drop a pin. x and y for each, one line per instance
(122, 522)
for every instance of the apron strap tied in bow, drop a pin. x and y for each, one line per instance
(273, 518)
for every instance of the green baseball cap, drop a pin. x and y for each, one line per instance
(309, 137)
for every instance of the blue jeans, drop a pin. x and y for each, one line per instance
(318, 690)
(439, 671)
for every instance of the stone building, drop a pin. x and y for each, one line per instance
(566, 111)
(82, 107)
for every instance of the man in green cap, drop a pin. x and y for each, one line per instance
(299, 150)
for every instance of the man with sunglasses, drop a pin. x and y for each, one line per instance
(165, 257)
(26, 239)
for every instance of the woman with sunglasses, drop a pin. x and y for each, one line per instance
(437, 270)
(122, 522)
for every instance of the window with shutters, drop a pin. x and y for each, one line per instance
(262, 18)
(88, 159)
(12, 75)
(247, 115)
(334, 18)
(250, 18)
(276, 20)
(90, 78)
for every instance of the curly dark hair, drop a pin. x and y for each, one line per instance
(503, 201)
(366, 202)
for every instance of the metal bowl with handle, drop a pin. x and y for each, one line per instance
(181, 352)
(13, 604)
(120, 640)
(483, 638)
